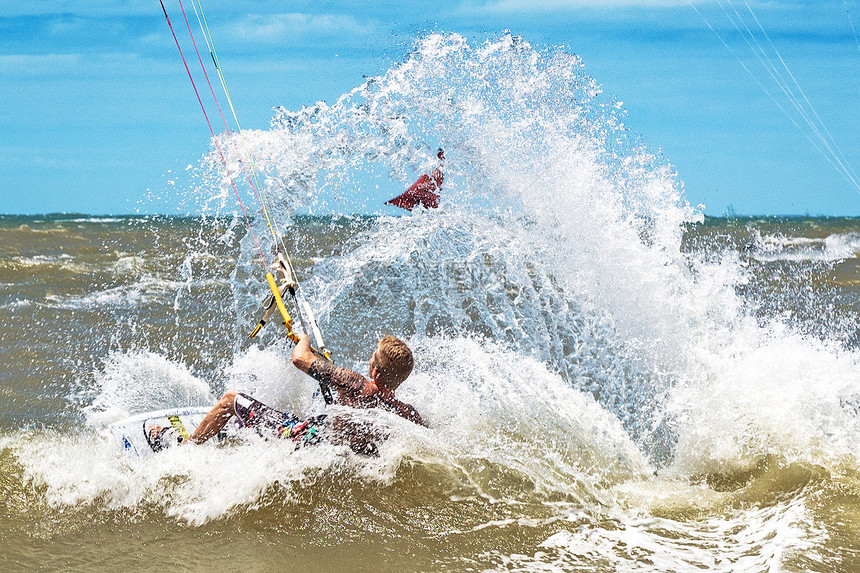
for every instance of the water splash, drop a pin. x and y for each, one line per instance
(132, 383)
(568, 344)
(560, 234)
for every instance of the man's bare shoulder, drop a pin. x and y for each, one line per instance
(402, 409)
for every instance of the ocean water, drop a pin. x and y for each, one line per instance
(612, 381)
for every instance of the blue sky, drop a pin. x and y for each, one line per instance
(97, 110)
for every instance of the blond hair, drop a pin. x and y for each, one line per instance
(394, 361)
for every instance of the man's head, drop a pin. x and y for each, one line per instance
(392, 361)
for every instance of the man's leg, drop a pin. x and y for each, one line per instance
(215, 419)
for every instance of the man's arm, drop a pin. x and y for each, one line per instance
(327, 373)
(341, 378)
(303, 356)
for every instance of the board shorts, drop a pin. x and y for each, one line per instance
(271, 423)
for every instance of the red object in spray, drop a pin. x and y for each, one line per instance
(423, 191)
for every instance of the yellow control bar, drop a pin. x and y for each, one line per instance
(288, 320)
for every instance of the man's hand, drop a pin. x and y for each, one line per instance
(303, 356)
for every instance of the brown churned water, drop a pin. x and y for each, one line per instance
(574, 426)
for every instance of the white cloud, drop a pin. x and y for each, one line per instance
(40, 63)
(531, 6)
(102, 66)
(286, 28)
(99, 8)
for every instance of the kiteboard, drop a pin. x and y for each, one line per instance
(135, 436)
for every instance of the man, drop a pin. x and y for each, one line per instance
(390, 364)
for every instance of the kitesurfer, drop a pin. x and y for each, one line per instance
(390, 364)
